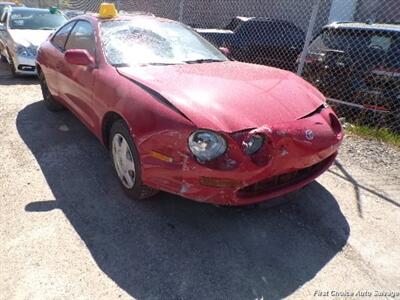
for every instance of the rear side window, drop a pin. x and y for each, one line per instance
(234, 24)
(61, 36)
(338, 40)
(255, 31)
(275, 32)
(256, 27)
(82, 37)
(351, 41)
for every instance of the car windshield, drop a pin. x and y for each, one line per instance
(36, 20)
(154, 42)
(352, 39)
(339, 40)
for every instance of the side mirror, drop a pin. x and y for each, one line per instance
(79, 57)
(225, 51)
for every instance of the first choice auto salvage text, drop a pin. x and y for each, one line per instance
(362, 293)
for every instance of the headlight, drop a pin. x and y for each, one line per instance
(253, 144)
(26, 51)
(206, 145)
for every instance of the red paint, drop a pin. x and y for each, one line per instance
(231, 98)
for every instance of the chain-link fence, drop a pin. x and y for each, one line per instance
(349, 49)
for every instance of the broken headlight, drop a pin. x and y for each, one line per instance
(253, 144)
(206, 145)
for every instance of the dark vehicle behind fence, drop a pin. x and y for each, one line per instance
(357, 65)
(263, 41)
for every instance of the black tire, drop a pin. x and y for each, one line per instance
(12, 66)
(50, 103)
(3, 58)
(13, 69)
(139, 191)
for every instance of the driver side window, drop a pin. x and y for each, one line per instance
(82, 37)
(60, 38)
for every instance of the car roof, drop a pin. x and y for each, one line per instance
(259, 19)
(364, 26)
(124, 16)
(244, 19)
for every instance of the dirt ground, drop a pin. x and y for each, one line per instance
(68, 232)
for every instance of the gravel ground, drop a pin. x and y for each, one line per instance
(68, 232)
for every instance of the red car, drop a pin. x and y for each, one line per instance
(179, 116)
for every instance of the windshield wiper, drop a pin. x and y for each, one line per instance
(160, 64)
(123, 65)
(46, 28)
(203, 60)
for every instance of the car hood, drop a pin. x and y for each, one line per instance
(27, 38)
(230, 96)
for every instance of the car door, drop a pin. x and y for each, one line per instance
(76, 82)
(53, 58)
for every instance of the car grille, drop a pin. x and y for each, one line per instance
(283, 181)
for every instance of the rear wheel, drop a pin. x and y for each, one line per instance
(127, 163)
(50, 103)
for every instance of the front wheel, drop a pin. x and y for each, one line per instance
(127, 163)
(12, 65)
(13, 68)
(3, 58)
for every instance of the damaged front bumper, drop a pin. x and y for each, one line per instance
(296, 153)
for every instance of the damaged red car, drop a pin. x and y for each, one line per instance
(178, 116)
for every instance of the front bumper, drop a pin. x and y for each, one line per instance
(293, 160)
(25, 65)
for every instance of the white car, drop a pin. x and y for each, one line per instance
(22, 30)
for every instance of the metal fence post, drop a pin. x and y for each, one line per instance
(309, 36)
(181, 5)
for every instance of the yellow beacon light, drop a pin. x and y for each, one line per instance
(108, 11)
